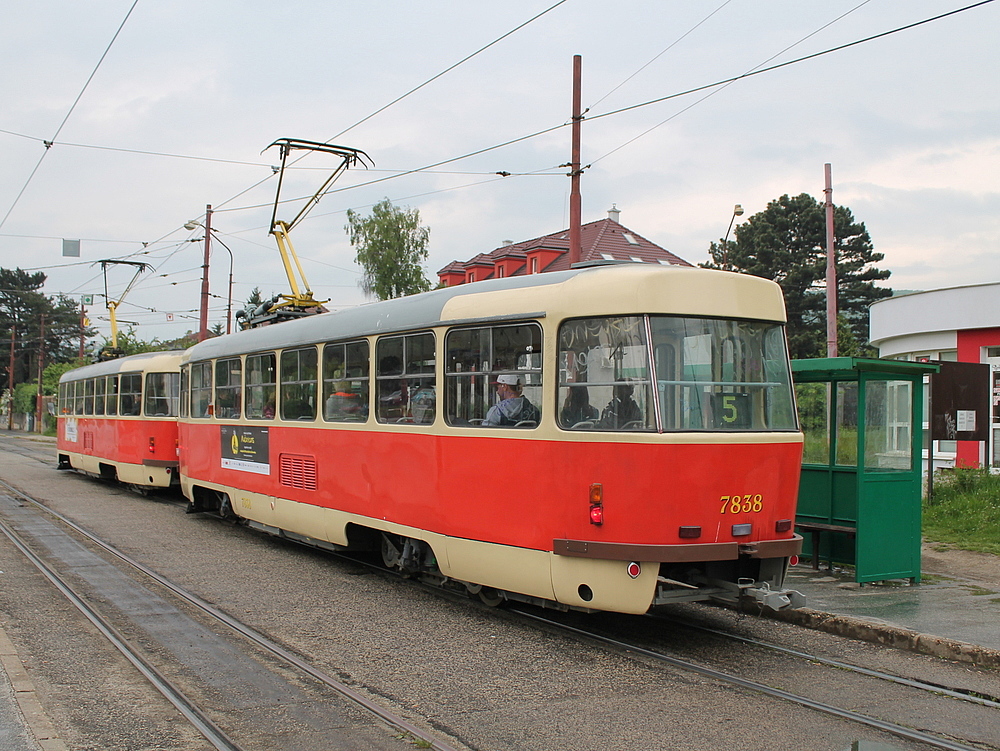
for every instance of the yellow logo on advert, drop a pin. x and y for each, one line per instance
(236, 444)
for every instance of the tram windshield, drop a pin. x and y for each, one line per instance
(670, 373)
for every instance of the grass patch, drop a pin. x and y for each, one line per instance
(965, 510)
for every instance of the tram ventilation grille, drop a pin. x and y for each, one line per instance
(297, 471)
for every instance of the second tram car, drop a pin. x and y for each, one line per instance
(646, 451)
(118, 419)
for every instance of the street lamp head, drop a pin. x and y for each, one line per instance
(192, 225)
(737, 211)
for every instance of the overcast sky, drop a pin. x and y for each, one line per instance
(189, 93)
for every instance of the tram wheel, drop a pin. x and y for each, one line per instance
(390, 553)
(491, 597)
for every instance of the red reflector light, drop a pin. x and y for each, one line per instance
(634, 569)
(596, 503)
(793, 561)
(782, 525)
(689, 533)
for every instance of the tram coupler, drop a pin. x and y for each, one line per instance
(736, 593)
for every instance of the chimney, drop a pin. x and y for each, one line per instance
(507, 243)
(614, 212)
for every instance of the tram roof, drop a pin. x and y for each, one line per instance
(615, 289)
(162, 361)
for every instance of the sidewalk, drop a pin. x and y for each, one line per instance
(953, 613)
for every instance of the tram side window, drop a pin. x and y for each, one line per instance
(88, 398)
(604, 375)
(476, 360)
(130, 398)
(405, 380)
(100, 385)
(345, 382)
(228, 388)
(162, 394)
(185, 392)
(298, 384)
(78, 400)
(201, 389)
(260, 386)
(112, 395)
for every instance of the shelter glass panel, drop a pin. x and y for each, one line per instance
(888, 426)
(814, 415)
(298, 384)
(345, 382)
(847, 424)
(261, 386)
(405, 379)
(475, 361)
(228, 388)
(201, 389)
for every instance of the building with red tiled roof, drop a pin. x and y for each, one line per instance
(603, 240)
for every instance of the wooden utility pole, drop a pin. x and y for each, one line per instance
(41, 369)
(10, 381)
(203, 327)
(831, 270)
(575, 211)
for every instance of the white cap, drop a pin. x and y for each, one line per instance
(511, 379)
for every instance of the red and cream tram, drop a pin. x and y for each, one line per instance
(656, 459)
(118, 419)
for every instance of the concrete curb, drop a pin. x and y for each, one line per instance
(892, 636)
(35, 717)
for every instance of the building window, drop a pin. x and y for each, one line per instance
(534, 265)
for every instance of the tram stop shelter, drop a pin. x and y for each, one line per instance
(860, 489)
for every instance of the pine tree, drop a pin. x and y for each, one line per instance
(787, 243)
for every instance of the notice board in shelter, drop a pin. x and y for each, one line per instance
(960, 402)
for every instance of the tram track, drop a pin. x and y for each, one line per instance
(909, 733)
(190, 709)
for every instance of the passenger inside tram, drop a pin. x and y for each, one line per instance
(577, 410)
(512, 408)
(622, 411)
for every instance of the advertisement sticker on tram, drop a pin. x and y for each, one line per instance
(245, 449)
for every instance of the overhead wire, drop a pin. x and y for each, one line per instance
(715, 91)
(48, 144)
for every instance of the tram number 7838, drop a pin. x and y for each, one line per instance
(741, 504)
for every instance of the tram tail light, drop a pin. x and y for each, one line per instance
(597, 504)
(782, 525)
(689, 533)
(152, 445)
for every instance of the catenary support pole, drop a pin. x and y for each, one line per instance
(575, 209)
(831, 270)
(203, 318)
